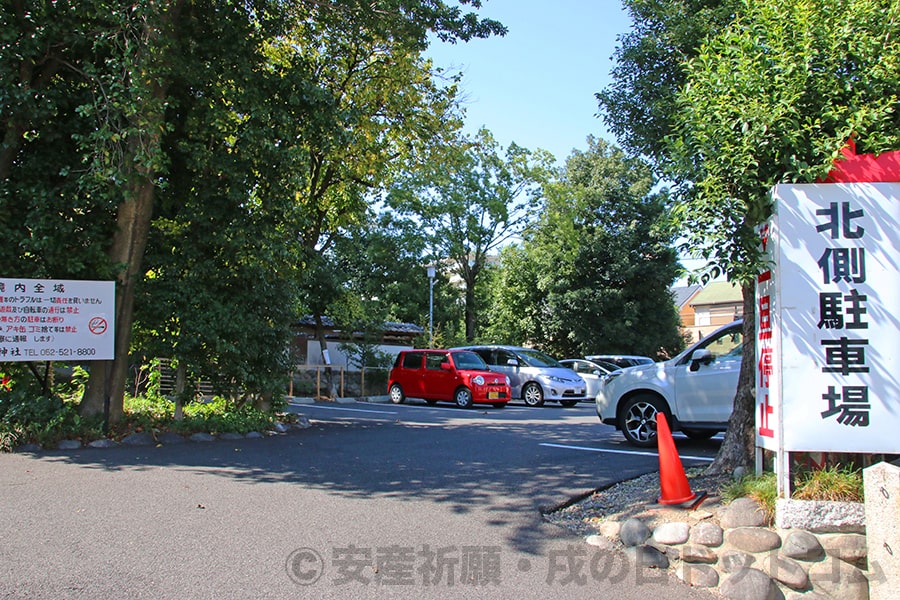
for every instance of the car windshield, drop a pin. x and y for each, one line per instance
(469, 361)
(607, 365)
(535, 358)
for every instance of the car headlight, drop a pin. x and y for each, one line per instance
(508, 380)
(478, 380)
(556, 379)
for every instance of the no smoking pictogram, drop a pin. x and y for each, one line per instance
(98, 325)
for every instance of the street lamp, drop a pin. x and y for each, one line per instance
(431, 306)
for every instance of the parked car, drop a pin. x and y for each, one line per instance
(591, 371)
(534, 376)
(446, 375)
(621, 360)
(695, 390)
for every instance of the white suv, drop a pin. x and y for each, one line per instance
(695, 390)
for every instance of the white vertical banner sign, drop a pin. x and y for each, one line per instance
(56, 319)
(831, 300)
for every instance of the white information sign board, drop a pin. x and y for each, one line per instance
(56, 319)
(828, 325)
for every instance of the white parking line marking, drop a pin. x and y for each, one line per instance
(362, 410)
(632, 452)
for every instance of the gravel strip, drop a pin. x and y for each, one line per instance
(635, 498)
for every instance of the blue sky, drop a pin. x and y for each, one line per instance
(536, 85)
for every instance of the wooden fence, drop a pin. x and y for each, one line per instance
(337, 382)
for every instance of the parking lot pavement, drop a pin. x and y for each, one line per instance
(373, 495)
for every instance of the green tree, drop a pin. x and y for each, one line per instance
(772, 99)
(517, 311)
(377, 109)
(101, 82)
(472, 200)
(603, 259)
(382, 265)
(639, 105)
(49, 228)
(216, 295)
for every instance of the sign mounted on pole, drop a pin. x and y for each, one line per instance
(56, 319)
(827, 334)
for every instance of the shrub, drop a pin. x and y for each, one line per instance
(29, 414)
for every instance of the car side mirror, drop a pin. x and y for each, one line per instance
(512, 362)
(703, 356)
(446, 366)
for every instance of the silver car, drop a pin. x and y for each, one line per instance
(534, 377)
(591, 371)
(622, 360)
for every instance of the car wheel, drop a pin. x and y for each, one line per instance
(463, 397)
(698, 434)
(533, 394)
(396, 393)
(638, 419)
(568, 403)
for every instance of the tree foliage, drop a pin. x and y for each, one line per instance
(639, 105)
(471, 200)
(773, 99)
(600, 263)
(201, 112)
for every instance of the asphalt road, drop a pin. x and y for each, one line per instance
(372, 501)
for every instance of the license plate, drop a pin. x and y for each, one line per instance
(493, 395)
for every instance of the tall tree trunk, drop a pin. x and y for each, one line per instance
(105, 391)
(180, 378)
(471, 311)
(739, 446)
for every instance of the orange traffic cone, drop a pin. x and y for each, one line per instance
(673, 483)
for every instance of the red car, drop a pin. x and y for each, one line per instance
(457, 376)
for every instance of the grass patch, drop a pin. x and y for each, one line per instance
(834, 483)
(761, 488)
(839, 484)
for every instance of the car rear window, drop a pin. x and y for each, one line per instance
(412, 360)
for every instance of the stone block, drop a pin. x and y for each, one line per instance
(707, 534)
(671, 534)
(787, 571)
(882, 490)
(820, 516)
(749, 584)
(849, 547)
(743, 512)
(634, 532)
(802, 545)
(733, 561)
(838, 579)
(698, 575)
(753, 539)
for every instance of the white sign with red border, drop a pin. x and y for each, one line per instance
(828, 333)
(56, 319)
